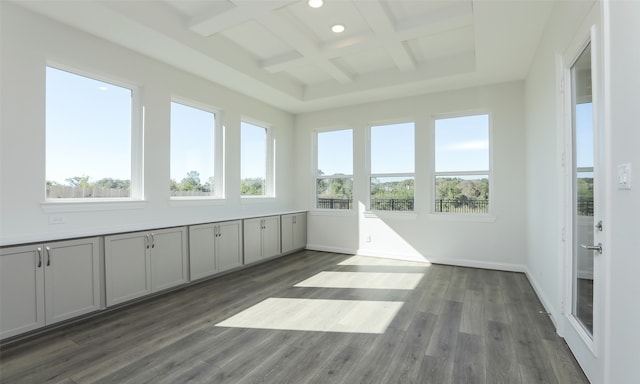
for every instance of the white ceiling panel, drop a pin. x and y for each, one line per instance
(283, 51)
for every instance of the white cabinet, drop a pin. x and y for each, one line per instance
(294, 232)
(261, 238)
(140, 263)
(43, 284)
(214, 248)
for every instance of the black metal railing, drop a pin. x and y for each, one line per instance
(392, 204)
(462, 206)
(334, 203)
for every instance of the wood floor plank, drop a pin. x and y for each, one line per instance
(458, 325)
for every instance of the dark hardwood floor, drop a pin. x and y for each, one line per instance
(458, 325)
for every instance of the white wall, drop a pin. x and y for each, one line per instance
(498, 242)
(624, 247)
(29, 42)
(544, 145)
(621, 336)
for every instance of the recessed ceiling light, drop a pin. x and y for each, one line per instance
(338, 28)
(315, 3)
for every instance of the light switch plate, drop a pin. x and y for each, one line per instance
(624, 176)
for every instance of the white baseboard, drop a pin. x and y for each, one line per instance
(479, 264)
(324, 248)
(553, 312)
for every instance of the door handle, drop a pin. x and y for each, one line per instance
(48, 255)
(39, 250)
(597, 247)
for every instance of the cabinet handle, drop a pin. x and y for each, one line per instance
(153, 240)
(48, 256)
(39, 251)
(147, 240)
(218, 234)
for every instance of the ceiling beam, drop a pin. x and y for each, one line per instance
(457, 15)
(223, 15)
(304, 44)
(381, 24)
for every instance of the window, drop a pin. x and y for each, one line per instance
(254, 156)
(462, 164)
(88, 137)
(334, 176)
(192, 151)
(392, 167)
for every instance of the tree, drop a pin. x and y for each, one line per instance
(252, 186)
(191, 182)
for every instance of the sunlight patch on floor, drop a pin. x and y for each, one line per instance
(353, 316)
(378, 261)
(363, 280)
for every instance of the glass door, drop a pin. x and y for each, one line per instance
(583, 191)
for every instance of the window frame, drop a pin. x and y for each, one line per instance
(488, 173)
(315, 176)
(218, 151)
(372, 175)
(136, 198)
(269, 182)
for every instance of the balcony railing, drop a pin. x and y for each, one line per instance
(392, 204)
(334, 203)
(462, 206)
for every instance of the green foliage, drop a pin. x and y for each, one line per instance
(252, 187)
(403, 189)
(85, 182)
(458, 189)
(191, 183)
(335, 188)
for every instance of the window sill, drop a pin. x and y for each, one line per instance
(333, 212)
(477, 218)
(409, 215)
(195, 201)
(256, 199)
(89, 205)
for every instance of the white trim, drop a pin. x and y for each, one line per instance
(469, 217)
(324, 248)
(478, 264)
(403, 215)
(90, 205)
(551, 309)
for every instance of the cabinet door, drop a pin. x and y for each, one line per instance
(252, 240)
(271, 236)
(229, 245)
(21, 290)
(127, 273)
(72, 278)
(168, 258)
(287, 233)
(299, 237)
(202, 244)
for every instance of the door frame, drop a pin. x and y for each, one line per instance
(590, 352)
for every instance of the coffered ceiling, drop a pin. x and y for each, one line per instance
(284, 52)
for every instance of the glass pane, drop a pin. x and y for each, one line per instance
(462, 144)
(192, 151)
(334, 193)
(88, 137)
(335, 152)
(253, 174)
(583, 222)
(462, 194)
(392, 193)
(392, 148)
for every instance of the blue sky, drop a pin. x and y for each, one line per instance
(81, 110)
